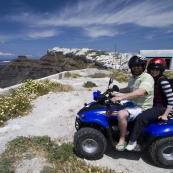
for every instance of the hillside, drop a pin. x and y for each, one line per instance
(23, 68)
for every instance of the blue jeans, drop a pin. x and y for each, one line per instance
(143, 119)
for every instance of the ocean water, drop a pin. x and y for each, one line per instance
(1, 60)
(1, 65)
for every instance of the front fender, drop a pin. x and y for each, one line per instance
(94, 118)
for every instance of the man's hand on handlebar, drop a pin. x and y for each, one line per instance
(115, 99)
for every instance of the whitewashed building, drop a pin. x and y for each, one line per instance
(165, 54)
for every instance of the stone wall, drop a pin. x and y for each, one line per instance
(57, 77)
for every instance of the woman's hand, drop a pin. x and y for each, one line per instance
(163, 117)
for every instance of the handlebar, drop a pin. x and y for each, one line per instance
(105, 97)
(106, 100)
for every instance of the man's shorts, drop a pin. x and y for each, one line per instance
(132, 109)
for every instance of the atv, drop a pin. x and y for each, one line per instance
(97, 122)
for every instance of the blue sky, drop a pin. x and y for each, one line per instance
(31, 27)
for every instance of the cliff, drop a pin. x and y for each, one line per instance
(23, 68)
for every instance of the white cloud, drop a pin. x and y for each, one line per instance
(96, 32)
(142, 13)
(90, 15)
(42, 34)
(9, 36)
(149, 37)
(169, 31)
(6, 54)
(29, 55)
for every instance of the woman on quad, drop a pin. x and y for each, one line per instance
(162, 103)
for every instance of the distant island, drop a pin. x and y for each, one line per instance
(4, 62)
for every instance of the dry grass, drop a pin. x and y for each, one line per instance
(60, 159)
(72, 75)
(99, 75)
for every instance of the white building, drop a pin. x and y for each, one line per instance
(165, 54)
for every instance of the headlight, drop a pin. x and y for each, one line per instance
(95, 95)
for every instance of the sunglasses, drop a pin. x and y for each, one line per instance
(155, 69)
(137, 65)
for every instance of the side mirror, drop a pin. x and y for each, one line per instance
(115, 88)
(110, 82)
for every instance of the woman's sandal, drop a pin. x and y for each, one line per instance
(121, 145)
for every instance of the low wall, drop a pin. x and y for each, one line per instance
(58, 76)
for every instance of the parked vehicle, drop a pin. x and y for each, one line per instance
(97, 122)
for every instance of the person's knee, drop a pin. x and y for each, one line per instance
(122, 114)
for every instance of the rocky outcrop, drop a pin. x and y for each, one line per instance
(23, 68)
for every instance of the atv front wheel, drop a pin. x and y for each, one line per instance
(89, 143)
(161, 152)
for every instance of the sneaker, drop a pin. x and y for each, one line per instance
(131, 145)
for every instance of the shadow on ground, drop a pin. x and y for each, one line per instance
(128, 155)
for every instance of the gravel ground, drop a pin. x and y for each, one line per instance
(54, 115)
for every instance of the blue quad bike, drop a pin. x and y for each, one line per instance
(97, 121)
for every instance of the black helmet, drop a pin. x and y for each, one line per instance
(137, 60)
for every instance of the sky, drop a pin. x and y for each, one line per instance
(31, 27)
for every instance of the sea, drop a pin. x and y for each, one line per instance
(3, 62)
(1, 65)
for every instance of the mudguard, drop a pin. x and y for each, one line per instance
(160, 128)
(98, 116)
(93, 117)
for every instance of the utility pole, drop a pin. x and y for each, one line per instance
(114, 58)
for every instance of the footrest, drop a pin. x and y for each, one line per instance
(137, 148)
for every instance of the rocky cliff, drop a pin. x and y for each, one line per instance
(22, 68)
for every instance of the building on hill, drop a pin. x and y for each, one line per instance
(165, 54)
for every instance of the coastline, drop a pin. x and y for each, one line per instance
(3, 63)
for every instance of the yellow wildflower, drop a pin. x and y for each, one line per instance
(89, 169)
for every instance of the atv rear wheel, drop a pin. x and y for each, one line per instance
(89, 143)
(161, 152)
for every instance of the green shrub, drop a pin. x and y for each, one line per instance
(98, 75)
(89, 84)
(168, 74)
(46, 169)
(67, 74)
(75, 75)
(120, 75)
